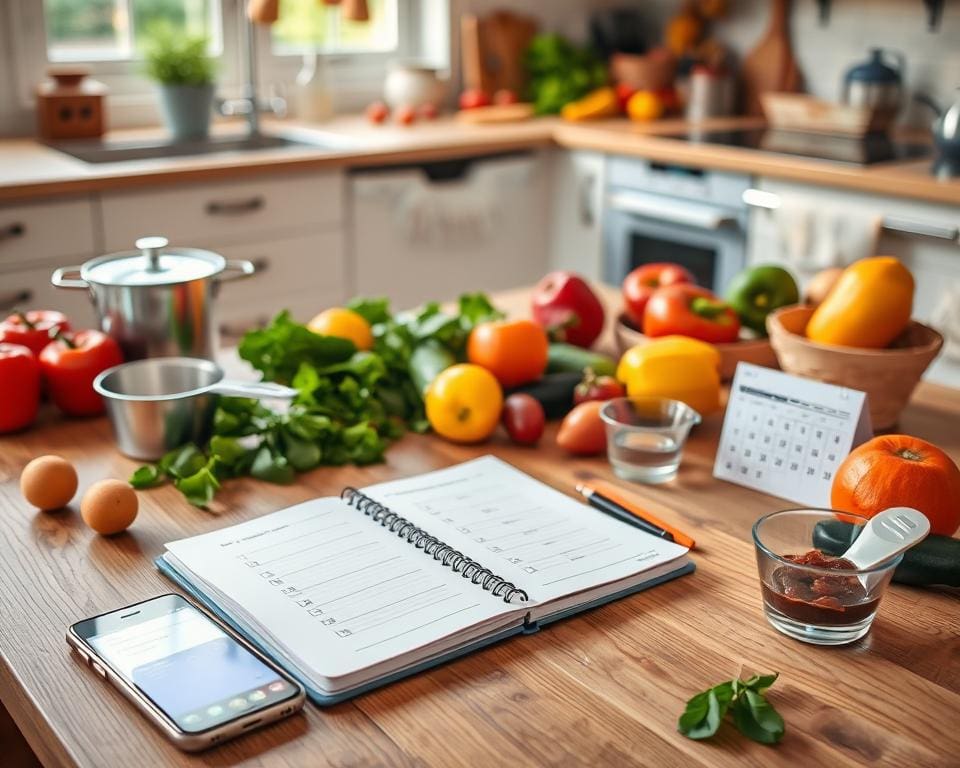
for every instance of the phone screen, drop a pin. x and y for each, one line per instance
(184, 662)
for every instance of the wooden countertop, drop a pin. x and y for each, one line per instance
(602, 688)
(29, 169)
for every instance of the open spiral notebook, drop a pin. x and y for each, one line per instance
(352, 592)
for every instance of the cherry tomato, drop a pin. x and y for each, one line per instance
(377, 112)
(689, 310)
(428, 111)
(523, 418)
(505, 96)
(595, 387)
(19, 387)
(32, 329)
(405, 115)
(71, 362)
(473, 98)
(582, 431)
(641, 283)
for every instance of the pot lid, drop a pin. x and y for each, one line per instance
(875, 70)
(153, 264)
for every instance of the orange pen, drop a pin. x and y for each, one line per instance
(611, 493)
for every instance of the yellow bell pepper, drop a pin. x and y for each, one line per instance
(596, 104)
(677, 367)
(868, 307)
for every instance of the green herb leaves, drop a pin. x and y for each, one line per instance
(745, 700)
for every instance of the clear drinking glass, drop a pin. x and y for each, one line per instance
(819, 605)
(645, 436)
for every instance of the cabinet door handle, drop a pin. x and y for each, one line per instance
(585, 200)
(11, 299)
(11, 231)
(235, 207)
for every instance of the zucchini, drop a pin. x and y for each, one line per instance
(427, 361)
(554, 392)
(569, 358)
(934, 561)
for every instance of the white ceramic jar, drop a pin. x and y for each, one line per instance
(412, 85)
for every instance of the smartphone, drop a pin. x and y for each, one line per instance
(190, 675)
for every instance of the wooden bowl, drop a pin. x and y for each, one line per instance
(888, 376)
(756, 351)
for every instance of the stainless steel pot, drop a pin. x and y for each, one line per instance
(156, 301)
(157, 405)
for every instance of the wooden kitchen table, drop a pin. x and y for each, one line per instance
(602, 688)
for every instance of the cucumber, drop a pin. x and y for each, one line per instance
(554, 392)
(934, 561)
(571, 359)
(427, 361)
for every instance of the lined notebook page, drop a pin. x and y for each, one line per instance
(540, 539)
(337, 590)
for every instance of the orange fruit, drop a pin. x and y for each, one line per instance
(345, 324)
(644, 105)
(463, 403)
(515, 351)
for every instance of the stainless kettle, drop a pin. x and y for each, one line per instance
(876, 84)
(946, 136)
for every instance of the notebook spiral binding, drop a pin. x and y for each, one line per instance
(431, 545)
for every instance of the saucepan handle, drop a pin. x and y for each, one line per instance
(68, 277)
(254, 389)
(237, 269)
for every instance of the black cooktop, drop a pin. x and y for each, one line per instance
(866, 150)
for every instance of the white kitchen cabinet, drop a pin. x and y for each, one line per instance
(435, 231)
(31, 289)
(235, 211)
(924, 236)
(576, 206)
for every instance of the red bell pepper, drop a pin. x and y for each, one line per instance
(32, 329)
(568, 309)
(19, 387)
(71, 362)
(689, 310)
(644, 281)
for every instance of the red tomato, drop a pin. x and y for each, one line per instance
(71, 362)
(624, 92)
(582, 431)
(641, 283)
(428, 111)
(689, 310)
(32, 329)
(473, 98)
(377, 112)
(566, 306)
(523, 418)
(404, 115)
(515, 351)
(595, 387)
(19, 387)
(505, 96)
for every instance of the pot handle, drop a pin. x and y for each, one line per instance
(253, 389)
(240, 268)
(68, 277)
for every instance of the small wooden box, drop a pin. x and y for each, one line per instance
(71, 106)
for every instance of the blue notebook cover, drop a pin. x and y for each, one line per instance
(324, 699)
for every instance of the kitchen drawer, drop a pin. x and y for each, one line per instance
(303, 274)
(224, 212)
(31, 289)
(47, 232)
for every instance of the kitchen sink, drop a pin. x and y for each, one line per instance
(98, 151)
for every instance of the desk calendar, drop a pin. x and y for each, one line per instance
(786, 435)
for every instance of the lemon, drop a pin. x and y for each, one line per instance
(644, 105)
(345, 324)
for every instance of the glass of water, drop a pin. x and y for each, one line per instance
(645, 436)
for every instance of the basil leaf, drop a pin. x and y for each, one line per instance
(199, 488)
(301, 454)
(475, 308)
(372, 310)
(757, 719)
(760, 683)
(705, 712)
(271, 467)
(182, 462)
(146, 476)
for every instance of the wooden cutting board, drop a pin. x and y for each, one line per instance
(492, 48)
(770, 66)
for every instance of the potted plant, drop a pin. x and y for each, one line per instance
(185, 74)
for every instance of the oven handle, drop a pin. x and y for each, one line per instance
(758, 198)
(667, 209)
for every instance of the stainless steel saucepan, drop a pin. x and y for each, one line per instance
(159, 404)
(156, 301)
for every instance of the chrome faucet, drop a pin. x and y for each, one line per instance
(249, 104)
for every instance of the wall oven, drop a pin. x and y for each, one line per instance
(689, 216)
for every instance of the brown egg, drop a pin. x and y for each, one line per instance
(109, 506)
(48, 482)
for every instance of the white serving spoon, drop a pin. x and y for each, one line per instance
(885, 536)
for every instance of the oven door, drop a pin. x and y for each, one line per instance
(643, 228)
